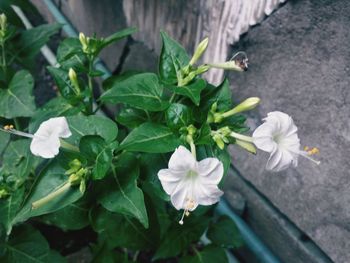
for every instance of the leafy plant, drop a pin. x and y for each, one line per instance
(108, 174)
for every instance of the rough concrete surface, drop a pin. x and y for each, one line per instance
(300, 64)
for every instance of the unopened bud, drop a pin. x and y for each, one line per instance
(74, 80)
(247, 146)
(74, 165)
(229, 65)
(202, 46)
(84, 42)
(219, 141)
(3, 22)
(246, 105)
(3, 193)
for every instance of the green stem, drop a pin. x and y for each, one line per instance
(51, 196)
(3, 62)
(172, 98)
(18, 126)
(193, 149)
(90, 85)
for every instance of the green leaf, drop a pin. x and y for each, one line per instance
(141, 91)
(29, 42)
(192, 90)
(49, 180)
(27, 245)
(225, 233)
(17, 100)
(117, 36)
(150, 165)
(71, 55)
(54, 108)
(18, 162)
(63, 83)
(103, 254)
(81, 125)
(178, 115)
(131, 118)
(9, 207)
(120, 231)
(208, 255)
(72, 217)
(151, 138)
(221, 94)
(98, 153)
(4, 139)
(179, 237)
(171, 50)
(121, 193)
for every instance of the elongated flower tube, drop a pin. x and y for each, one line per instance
(191, 183)
(46, 140)
(278, 136)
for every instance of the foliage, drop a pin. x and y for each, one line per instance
(107, 179)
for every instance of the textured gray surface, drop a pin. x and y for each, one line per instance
(300, 62)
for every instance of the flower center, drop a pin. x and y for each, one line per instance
(191, 174)
(190, 203)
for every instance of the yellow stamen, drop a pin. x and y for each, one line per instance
(189, 205)
(312, 151)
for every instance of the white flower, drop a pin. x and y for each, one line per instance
(278, 136)
(191, 183)
(46, 140)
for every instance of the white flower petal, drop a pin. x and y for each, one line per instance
(280, 160)
(207, 194)
(182, 160)
(45, 147)
(210, 171)
(179, 197)
(169, 180)
(46, 140)
(263, 137)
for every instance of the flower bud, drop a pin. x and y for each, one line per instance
(74, 80)
(3, 22)
(247, 146)
(229, 65)
(3, 193)
(84, 42)
(199, 50)
(219, 141)
(74, 166)
(246, 105)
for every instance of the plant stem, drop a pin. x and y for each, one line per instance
(91, 89)
(193, 149)
(3, 62)
(51, 196)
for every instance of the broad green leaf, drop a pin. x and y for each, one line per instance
(17, 100)
(117, 36)
(81, 125)
(63, 83)
(121, 193)
(70, 54)
(17, 162)
(178, 115)
(54, 108)
(171, 50)
(151, 138)
(112, 80)
(141, 91)
(98, 153)
(150, 165)
(209, 254)
(192, 90)
(179, 237)
(131, 118)
(120, 231)
(221, 94)
(29, 42)
(4, 139)
(72, 217)
(27, 245)
(104, 254)
(9, 207)
(49, 180)
(225, 233)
